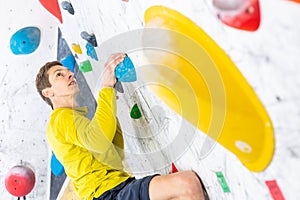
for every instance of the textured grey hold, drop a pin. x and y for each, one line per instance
(68, 6)
(90, 38)
(118, 86)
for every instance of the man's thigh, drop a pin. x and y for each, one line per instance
(136, 189)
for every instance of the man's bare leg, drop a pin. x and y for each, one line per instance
(181, 185)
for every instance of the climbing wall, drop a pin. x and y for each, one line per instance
(28, 39)
(254, 49)
(265, 51)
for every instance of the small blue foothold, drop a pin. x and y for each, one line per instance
(69, 62)
(90, 50)
(56, 167)
(125, 71)
(25, 40)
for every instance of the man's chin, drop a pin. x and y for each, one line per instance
(77, 91)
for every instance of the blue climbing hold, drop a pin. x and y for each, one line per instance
(125, 71)
(25, 40)
(56, 167)
(90, 50)
(69, 62)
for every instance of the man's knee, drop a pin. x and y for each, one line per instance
(190, 184)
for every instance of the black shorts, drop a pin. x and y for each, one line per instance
(129, 190)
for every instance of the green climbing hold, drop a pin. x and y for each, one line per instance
(222, 182)
(135, 112)
(85, 66)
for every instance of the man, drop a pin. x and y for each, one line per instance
(91, 150)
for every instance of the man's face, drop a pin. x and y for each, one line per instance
(62, 81)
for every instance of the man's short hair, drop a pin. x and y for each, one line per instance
(42, 80)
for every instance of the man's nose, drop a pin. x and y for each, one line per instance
(70, 75)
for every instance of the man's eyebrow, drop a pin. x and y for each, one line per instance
(61, 69)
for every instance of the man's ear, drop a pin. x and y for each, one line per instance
(47, 92)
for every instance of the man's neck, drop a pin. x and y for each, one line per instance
(65, 102)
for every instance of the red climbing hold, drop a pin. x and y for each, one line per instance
(53, 7)
(247, 18)
(174, 169)
(274, 190)
(19, 181)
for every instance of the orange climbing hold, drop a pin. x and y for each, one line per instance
(297, 1)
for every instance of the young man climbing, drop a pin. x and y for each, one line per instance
(91, 150)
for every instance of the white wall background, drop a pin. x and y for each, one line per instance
(23, 117)
(268, 58)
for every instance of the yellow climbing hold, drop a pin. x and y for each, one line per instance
(77, 48)
(199, 81)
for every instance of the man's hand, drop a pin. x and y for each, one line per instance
(108, 76)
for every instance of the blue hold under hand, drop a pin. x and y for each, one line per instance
(125, 71)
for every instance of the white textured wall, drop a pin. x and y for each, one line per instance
(268, 58)
(23, 114)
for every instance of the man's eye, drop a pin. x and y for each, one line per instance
(59, 74)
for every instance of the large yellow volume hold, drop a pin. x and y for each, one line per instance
(196, 78)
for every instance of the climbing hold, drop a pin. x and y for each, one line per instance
(125, 71)
(173, 89)
(174, 169)
(53, 7)
(247, 17)
(118, 86)
(85, 66)
(135, 112)
(90, 51)
(19, 181)
(56, 167)
(25, 40)
(296, 1)
(229, 5)
(67, 6)
(77, 48)
(222, 182)
(274, 190)
(90, 38)
(69, 62)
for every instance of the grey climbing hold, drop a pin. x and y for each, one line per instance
(90, 38)
(118, 86)
(67, 6)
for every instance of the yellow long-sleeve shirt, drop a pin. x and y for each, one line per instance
(91, 151)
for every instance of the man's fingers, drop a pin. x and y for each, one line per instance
(115, 59)
(109, 78)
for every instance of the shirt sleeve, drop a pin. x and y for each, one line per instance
(97, 135)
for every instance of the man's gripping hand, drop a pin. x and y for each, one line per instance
(108, 76)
